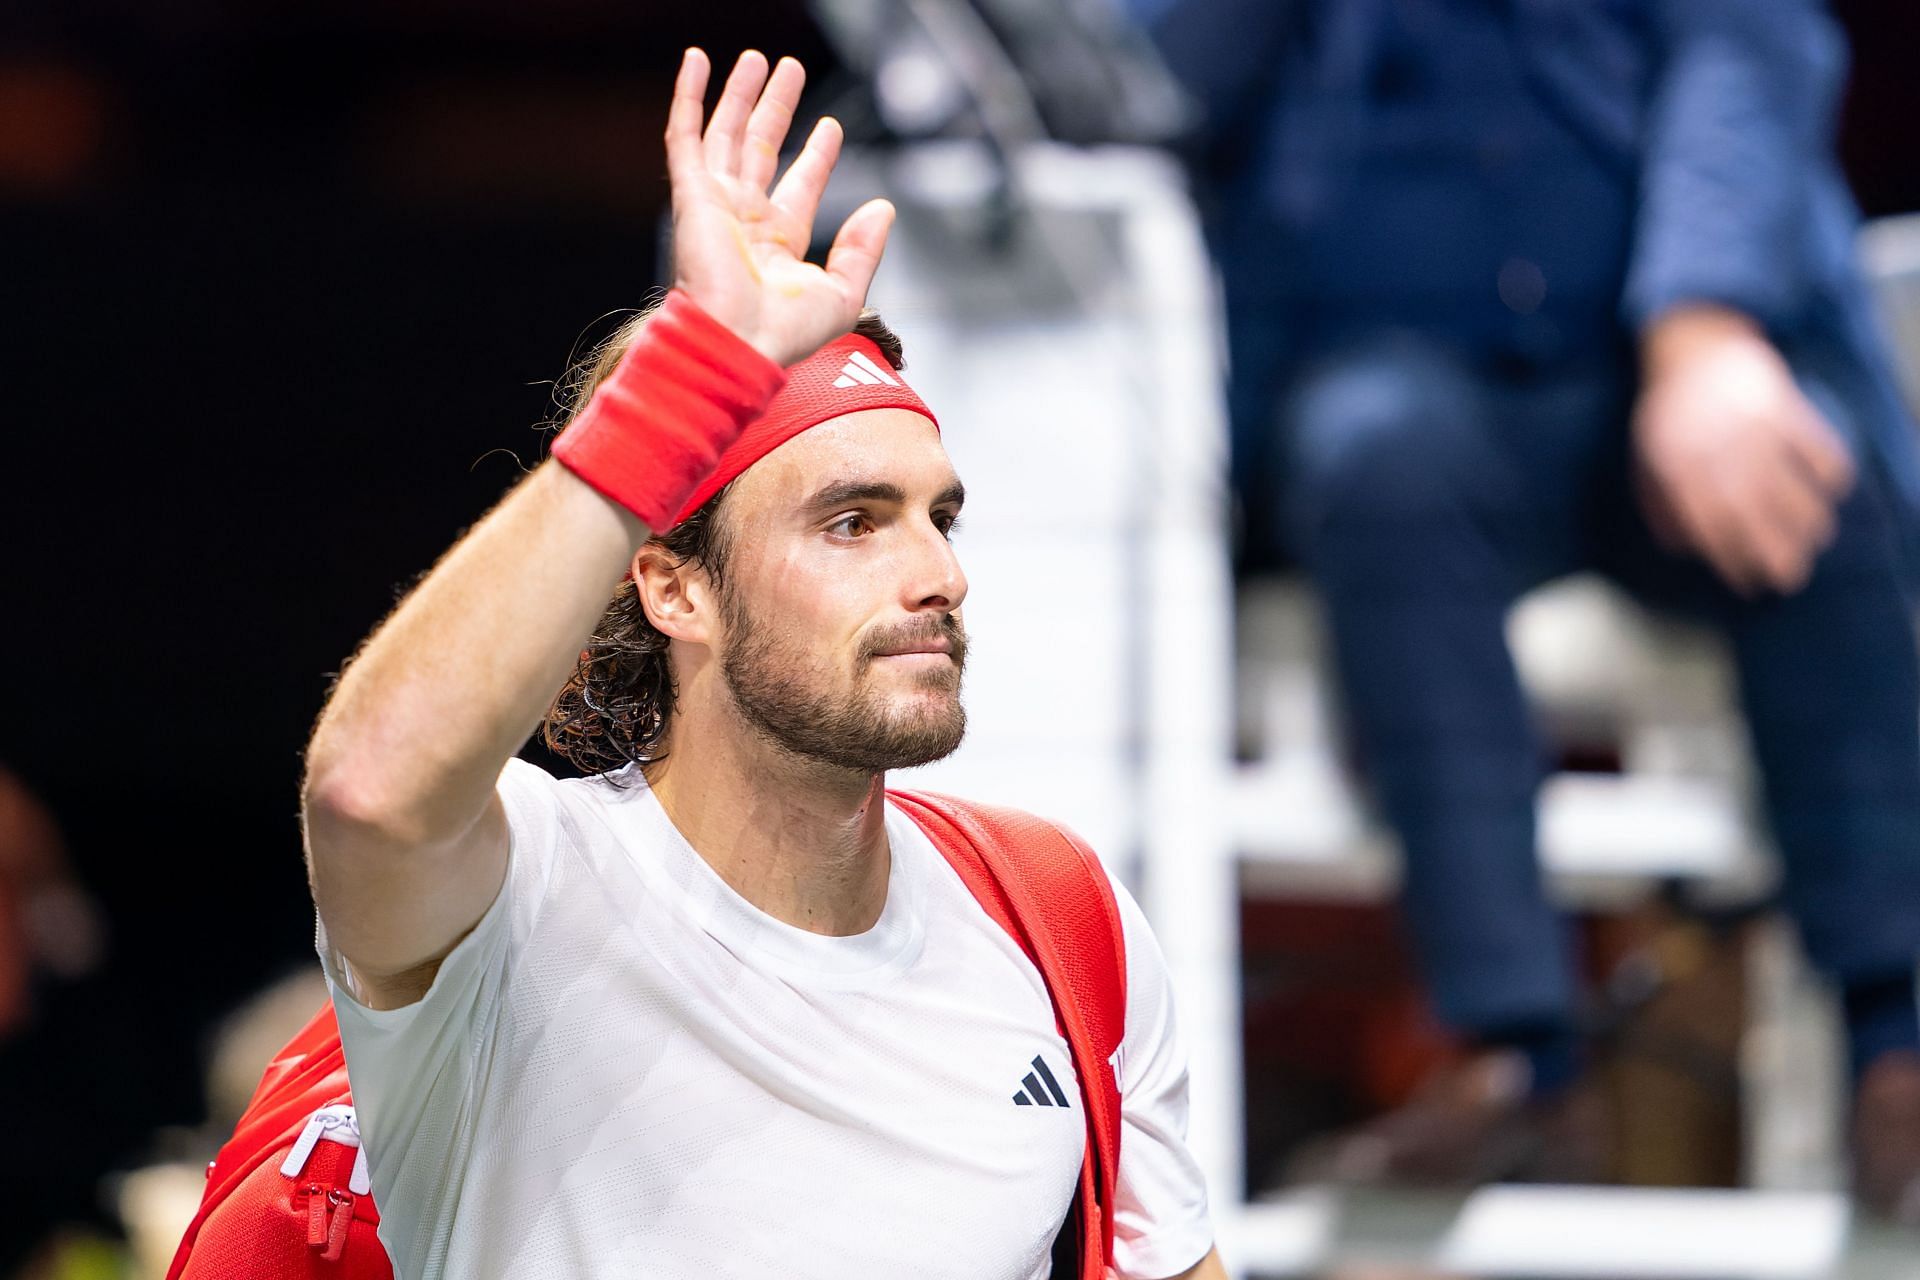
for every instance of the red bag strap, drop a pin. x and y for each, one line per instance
(1048, 890)
(309, 1073)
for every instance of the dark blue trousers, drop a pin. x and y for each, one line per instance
(1425, 497)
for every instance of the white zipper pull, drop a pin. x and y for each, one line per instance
(358, 1181)
(296, 1162)
(336, 1124)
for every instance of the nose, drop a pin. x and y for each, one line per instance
(934, 579)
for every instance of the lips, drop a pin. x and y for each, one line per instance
(943, 638)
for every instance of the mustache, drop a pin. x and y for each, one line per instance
(916, 631)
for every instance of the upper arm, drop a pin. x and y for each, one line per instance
(415, 1037)
(1773, 64)
(406, 838)
(392, 909)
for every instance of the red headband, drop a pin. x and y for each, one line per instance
(846, 376)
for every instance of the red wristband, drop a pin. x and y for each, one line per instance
(655, 429)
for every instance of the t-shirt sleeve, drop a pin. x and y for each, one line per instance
(1160, 1223)
(411, 1067)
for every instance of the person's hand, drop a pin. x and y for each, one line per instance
(1736, 465)
(740, 250)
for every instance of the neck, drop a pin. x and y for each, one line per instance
(802, 841)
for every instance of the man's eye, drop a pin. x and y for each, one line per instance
(948, 525)
(849, 526)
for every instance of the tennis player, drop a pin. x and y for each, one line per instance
(720, 1009)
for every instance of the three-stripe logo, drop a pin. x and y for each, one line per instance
(859, 371)
(1037, 1094)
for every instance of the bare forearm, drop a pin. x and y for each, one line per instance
(454, 681)
(411, 743)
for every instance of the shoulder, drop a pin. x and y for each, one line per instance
(556, 823)
(1042, 882)
(536, 797)
(996, 828)
(524, 775)
(1042, 865)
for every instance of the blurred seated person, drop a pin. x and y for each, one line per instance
(49, 926)
(51, 932)
(1522, 287)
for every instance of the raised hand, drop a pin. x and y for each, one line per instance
(739, 249)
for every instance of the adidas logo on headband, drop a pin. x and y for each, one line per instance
(860, 371)
(809, 398)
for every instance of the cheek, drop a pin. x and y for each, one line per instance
(810, 601)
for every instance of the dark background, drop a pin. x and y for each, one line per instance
(282, 290)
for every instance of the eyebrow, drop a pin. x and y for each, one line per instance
(843, 492)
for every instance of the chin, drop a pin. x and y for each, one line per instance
(926, 735)
(924, 710)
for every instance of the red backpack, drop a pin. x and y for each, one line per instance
(287, 1196)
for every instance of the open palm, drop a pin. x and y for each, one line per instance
(739, 248)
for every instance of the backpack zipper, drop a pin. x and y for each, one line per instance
(334, 1123)
(329, 1217)
(329, 1208)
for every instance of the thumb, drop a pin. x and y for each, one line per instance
(856, 251)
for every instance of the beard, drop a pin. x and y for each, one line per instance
(785, 693)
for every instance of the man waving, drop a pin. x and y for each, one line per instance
(722, 1008)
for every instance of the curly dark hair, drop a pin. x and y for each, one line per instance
(617, 706)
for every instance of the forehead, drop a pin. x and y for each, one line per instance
(897, 446)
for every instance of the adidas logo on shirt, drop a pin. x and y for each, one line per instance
(860, 371)
(1035, 1094)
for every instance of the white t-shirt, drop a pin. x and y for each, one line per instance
(628, 1070)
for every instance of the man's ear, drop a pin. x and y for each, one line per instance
(677, 597)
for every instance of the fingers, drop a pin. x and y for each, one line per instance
(1818, 451)
(1710, 527)
(797, 198)
(730, 114)
(1761, 524)
(1750, 475)
(1796, 480)
(685, 161)
(856, 251)
(767, 127)
(1788, 525)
